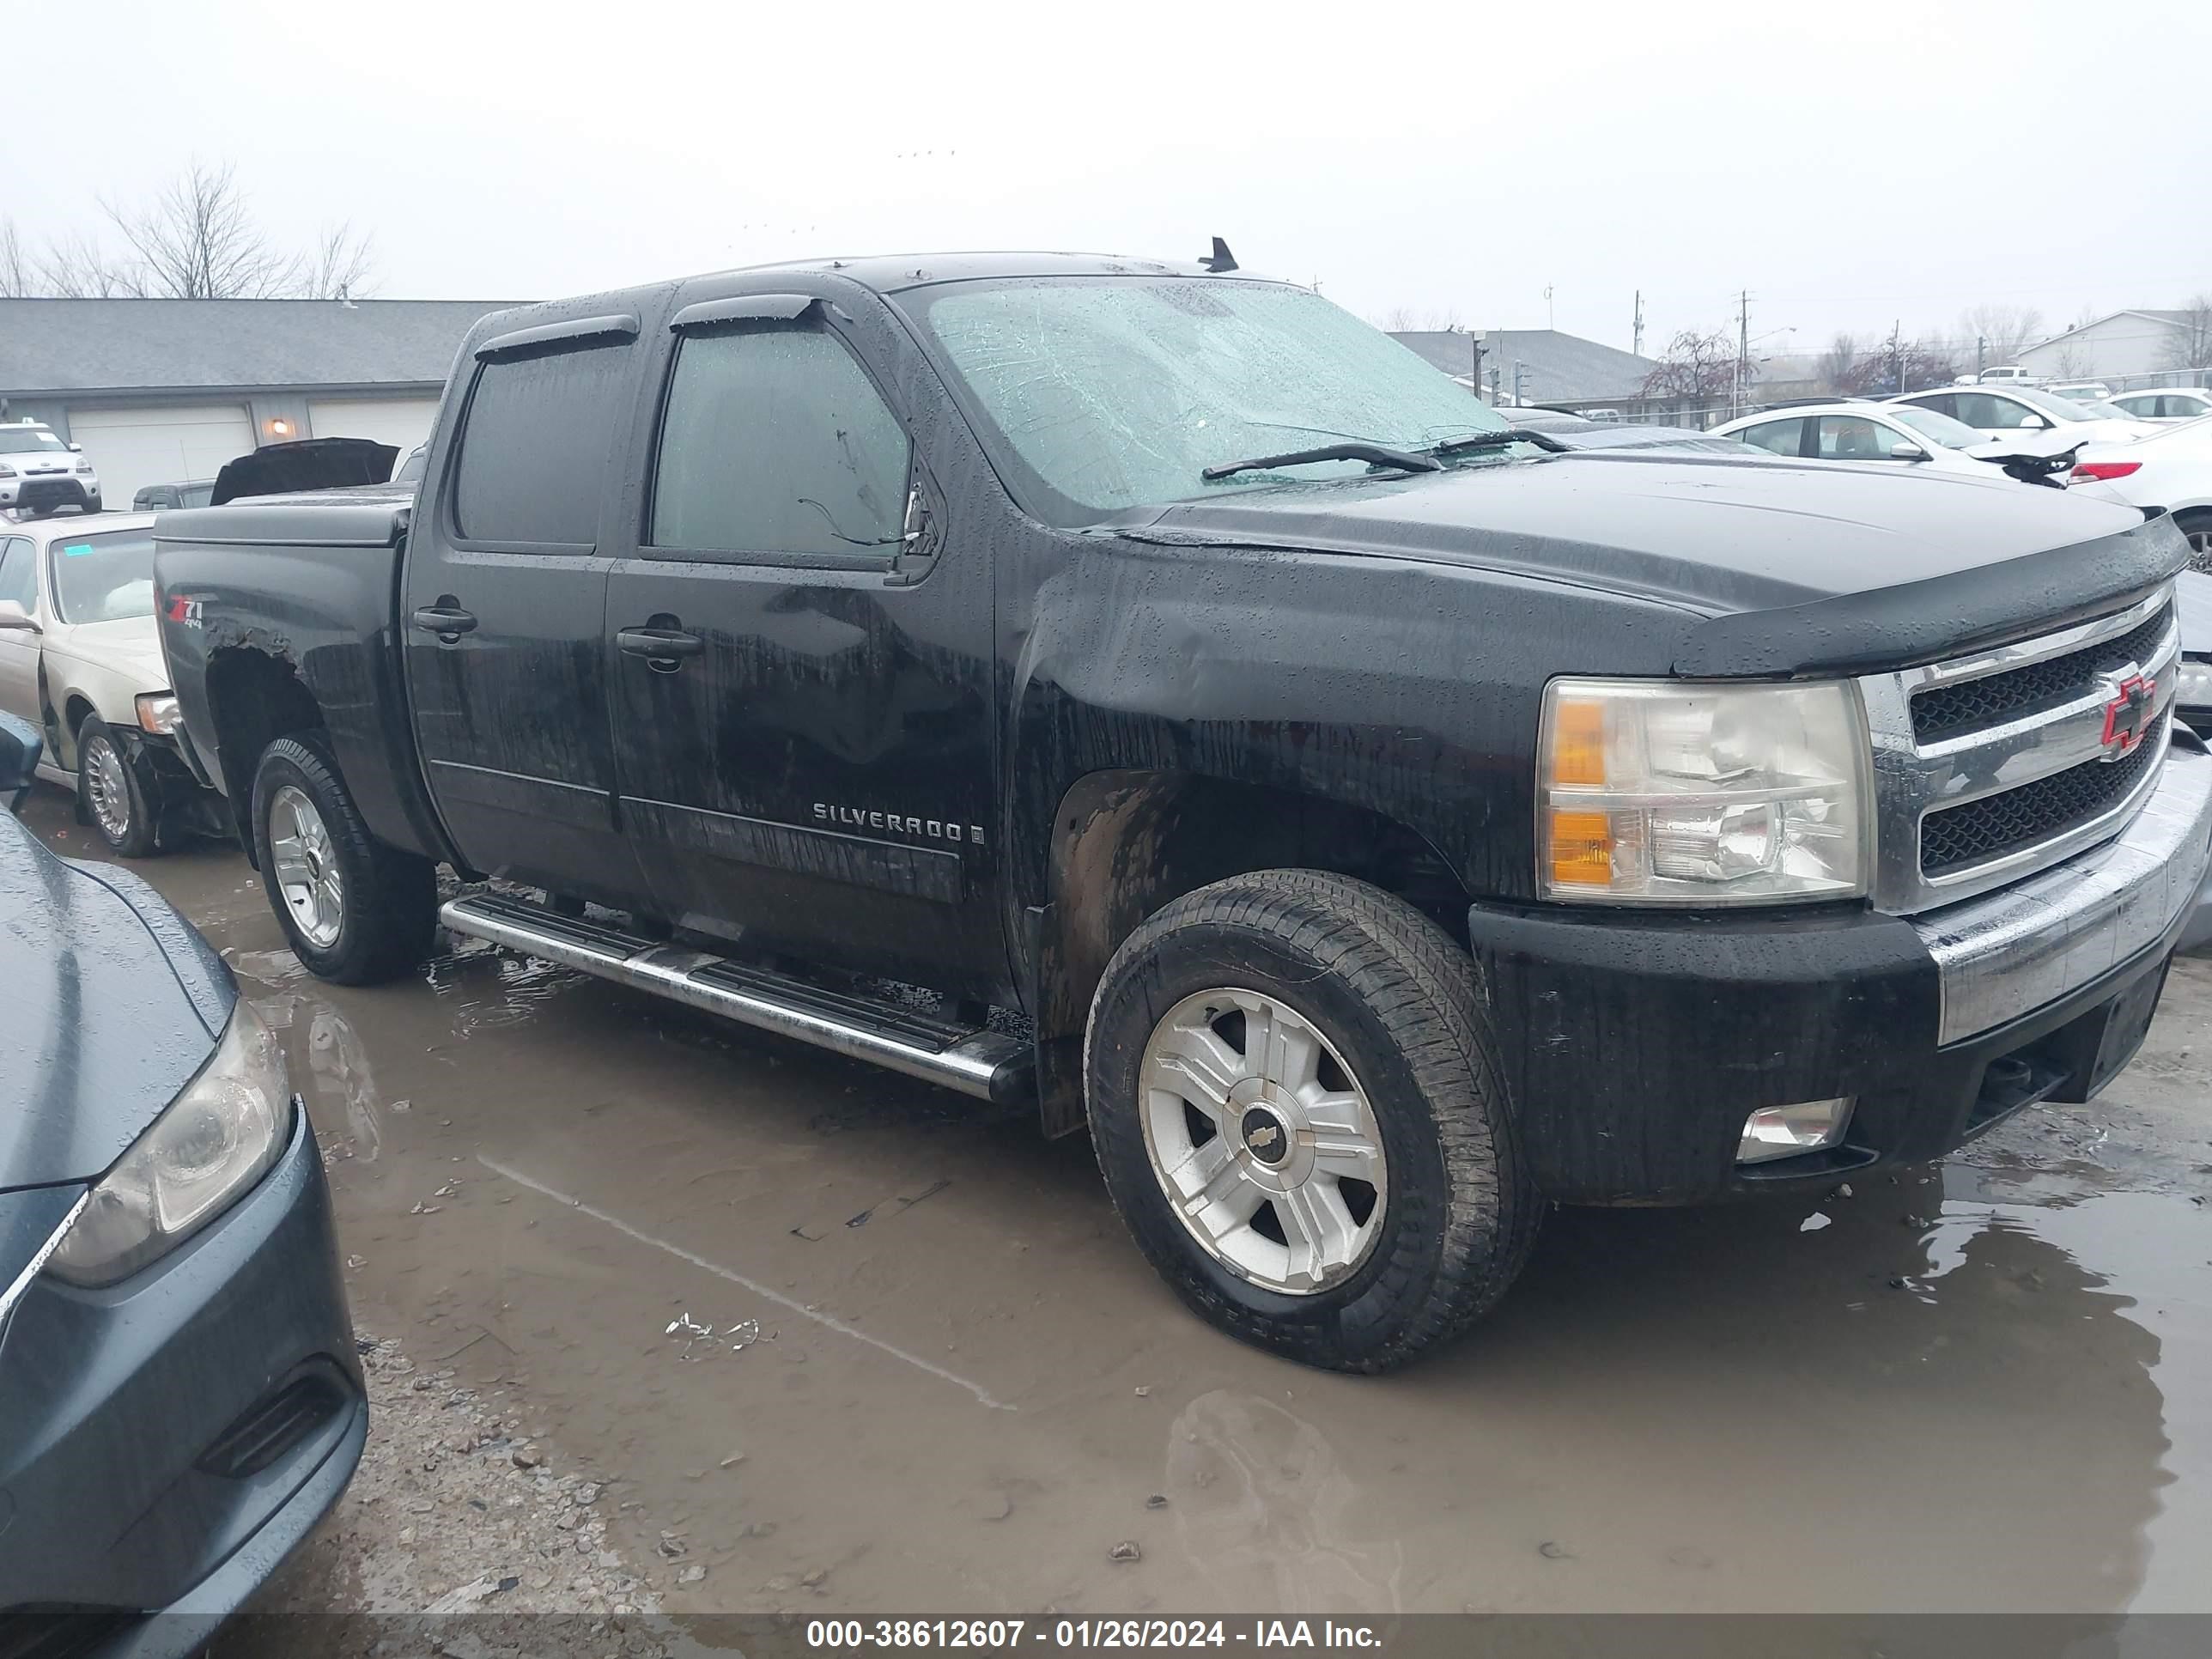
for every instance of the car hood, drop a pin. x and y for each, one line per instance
(111, 1003)
(1795, 566)
(131, 646)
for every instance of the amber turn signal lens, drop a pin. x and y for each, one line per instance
(1581, 849)
(1578, 743)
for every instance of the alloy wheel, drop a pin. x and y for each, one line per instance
(306, 866)
(1263, 1141)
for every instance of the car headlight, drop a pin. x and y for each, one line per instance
(158, 713)
(1668, 792)
(208, 1145)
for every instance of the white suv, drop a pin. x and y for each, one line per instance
(39, 474)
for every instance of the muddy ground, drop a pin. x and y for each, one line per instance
(917, 1367)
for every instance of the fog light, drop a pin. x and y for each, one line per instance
(1773, 1131)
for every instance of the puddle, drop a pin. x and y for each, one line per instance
(1982, 1387)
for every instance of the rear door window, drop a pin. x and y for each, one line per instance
(535, 445)
(1782, 437)
(1855, 437)
(775, 443)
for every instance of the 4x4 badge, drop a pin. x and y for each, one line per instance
(2127, 716)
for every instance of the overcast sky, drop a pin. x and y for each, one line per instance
(1848, 165)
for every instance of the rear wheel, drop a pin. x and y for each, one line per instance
(1292, 1097)
(355, 912)
(111, 792)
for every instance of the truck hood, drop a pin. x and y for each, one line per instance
(112, 1004)
(1792, 566)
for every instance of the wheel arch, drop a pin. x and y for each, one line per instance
(254, 696)
(1125, 843)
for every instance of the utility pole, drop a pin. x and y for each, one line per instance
(1897, 354)
(1474, 350)
(1981, 353)
(1637, 347)
(1743, 353)
(1550, 320)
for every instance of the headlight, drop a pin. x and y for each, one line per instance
(158, 712)
(2192, 682)
(1659, 792)
(208, 1145)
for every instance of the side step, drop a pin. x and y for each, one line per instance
(990, 1065)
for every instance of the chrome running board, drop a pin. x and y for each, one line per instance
(992, 1066)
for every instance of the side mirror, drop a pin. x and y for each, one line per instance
(2035, 424)
(1907, 453)
(13, 615)
(20, 747)
(76, 449)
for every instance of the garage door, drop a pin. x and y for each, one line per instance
(402, 422)
(131, 448)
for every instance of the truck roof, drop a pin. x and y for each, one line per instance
(888, 273)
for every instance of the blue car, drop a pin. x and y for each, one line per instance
(180, 1397)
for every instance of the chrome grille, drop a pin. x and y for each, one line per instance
(1992, 766)
(1942, 711)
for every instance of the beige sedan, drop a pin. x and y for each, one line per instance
(79, 658)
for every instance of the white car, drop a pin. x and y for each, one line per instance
(39, 474)
(2173, 470)
(2002, 374)
(2164, 403)
(1890, 434)
(81, 659)
(2081, 391)
(2030, 420)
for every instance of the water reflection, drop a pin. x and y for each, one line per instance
(1268, 1513)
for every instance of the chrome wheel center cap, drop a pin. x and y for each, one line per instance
(1265, 1137)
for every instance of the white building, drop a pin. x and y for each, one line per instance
(2127, 344)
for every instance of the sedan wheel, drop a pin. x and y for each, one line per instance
(306, 867)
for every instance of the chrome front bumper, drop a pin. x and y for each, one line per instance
(2012, 952)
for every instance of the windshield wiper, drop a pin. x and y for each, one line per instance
(1498, 440)
(1373, 454)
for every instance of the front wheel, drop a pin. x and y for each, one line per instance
(111, 792)
(1294, 1103)
(355, 911)
(2198, 528)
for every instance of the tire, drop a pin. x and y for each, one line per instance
(369, 911)
(1400, 1022)
(2198, 527)
(111, 794)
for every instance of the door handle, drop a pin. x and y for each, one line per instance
(663, 648)
(448, 622)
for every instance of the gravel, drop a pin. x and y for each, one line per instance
(452, 1510)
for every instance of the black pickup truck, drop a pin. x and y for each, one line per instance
(1371, 824)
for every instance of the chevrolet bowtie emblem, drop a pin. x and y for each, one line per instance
(2127, 716)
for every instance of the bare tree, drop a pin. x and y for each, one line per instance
(80, 269)
(19, 277)
(2002, 330)
(196, 240)
(1695, 369)
(338, 267)
(1838, 362)
(2192, 345)
(1414, 319)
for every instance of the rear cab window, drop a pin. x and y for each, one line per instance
(535, 444)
